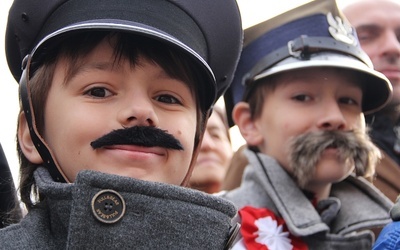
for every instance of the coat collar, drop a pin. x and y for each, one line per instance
(154, 215)
(355, 194)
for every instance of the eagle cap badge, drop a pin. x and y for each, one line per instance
(339, 30)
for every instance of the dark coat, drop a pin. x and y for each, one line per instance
(102, 211)
(8, 195)
(388, 170)
(387, 177)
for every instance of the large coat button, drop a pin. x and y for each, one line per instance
(108, 206)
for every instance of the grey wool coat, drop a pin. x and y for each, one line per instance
(357, 206)
(102, 211)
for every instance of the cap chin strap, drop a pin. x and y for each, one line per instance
(40, 145)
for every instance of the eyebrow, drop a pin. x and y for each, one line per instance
(368, 27)
(213, 127)
(77, 69)
(103, 66)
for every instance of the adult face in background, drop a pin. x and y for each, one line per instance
(378, 29)
(214, 157)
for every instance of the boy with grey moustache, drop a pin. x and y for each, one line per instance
(300, 91)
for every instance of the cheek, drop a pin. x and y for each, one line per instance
(278, 140)
(69, 129)
(358, 122)
(369, 49)
(225, 151)
(185, 132)
(277, 132)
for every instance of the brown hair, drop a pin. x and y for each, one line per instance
(257, 92)
(255, 96)
(74, 49)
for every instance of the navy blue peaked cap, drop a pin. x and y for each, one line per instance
(209, 31)
(313, 35)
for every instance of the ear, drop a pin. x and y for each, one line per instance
(242, 117)
(25, 141)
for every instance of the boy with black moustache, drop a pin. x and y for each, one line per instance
(115, 96)
(300, 91)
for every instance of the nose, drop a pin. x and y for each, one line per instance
(207, 143)
(331, 117)
(137, 111)
(391, 45)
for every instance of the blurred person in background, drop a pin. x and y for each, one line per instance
(234, 175)
(215, 154)
(377, 24)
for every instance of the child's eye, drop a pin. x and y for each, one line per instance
(167, 99)
(98, 92)
(348, 100)
(302, 98)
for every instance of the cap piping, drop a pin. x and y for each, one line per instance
(123, 27)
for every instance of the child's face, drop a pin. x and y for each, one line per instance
(100, 98)
(309, 100)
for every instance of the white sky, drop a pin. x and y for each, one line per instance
(253, 12)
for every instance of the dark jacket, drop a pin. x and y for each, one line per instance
(8, 195)
(387, 177)
(102, 211)
(382, 132)
(383, 135)
(389, 238)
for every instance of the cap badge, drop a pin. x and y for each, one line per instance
(339, 30)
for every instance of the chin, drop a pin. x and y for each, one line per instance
(329, 176)
(204, 179)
